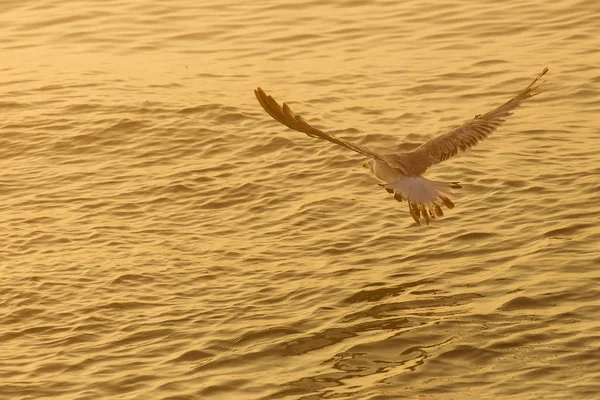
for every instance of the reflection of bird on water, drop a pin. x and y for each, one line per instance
(401, 172)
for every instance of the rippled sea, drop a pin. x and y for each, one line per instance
(163, 238)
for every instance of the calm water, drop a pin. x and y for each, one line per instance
(163, 238)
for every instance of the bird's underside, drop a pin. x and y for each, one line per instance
(402, 172)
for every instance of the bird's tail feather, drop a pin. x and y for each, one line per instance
(425, 198)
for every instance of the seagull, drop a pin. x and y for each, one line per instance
(400, 173)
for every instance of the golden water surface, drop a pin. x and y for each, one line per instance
(163, 238)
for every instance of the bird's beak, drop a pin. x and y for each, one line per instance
(365, 164)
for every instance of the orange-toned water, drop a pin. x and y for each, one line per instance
(163, 238)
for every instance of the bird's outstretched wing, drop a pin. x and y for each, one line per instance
(285, 115)
(464, 136)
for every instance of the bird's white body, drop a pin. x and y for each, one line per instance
(424, 196)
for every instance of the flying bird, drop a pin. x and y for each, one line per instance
(400, 173)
